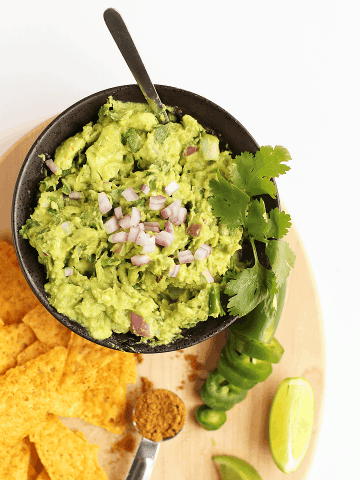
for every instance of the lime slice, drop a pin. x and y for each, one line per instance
(233, 468)
(291, 423)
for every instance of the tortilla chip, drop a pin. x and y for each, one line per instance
(105, 407)
(89, 365)
(43, 475)
(15, 461)
(92, 365)
(16, 297)
(32, 351)
(47, 329)
(1, 322)
(26, 393)
(65, 454)
(13, 340)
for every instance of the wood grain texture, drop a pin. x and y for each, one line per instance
(245, 434)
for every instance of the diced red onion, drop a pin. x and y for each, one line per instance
(125, 222)
(118, 212)
(152, 226)
(185, 256)
(119, 237)
(172, 210)
(208, 275)
(139, 260)
(203, 252)
(133, 233)
(164, 238)
(156, 202)
(165, 212)
(75, 195)
(118, 250)
(138, 326)
(111, 225)
(174, 270)
(130, 195)
(190, 150)
(145, 188)
(135, 216)
(181, 216)
(149, 246)
(51, 165)
(104, 203)
(141, 225)
(140, 238)
(65, 226)
(171, 188)
(169, 227)
(194, 229)
(68, 272)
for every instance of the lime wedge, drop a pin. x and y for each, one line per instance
(291, 422)
(233, 468)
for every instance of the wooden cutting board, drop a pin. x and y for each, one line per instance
(245, 434)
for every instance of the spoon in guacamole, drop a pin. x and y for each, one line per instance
(123, 40)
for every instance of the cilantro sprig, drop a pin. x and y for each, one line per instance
(237, 205)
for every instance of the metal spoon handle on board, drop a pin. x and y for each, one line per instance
(144, 460)
(123, 40)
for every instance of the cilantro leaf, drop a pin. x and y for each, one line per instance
(279, 224)
(248, 289)
(256, 223)
(253, 173)
(281, 259)
(228, 203)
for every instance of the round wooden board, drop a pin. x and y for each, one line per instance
(245, 434)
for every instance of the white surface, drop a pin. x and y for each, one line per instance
(287, 70)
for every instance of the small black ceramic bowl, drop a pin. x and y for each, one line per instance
(208, 114)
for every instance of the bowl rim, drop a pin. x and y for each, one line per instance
(116, 343)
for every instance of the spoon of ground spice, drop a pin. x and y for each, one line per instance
(158, 415)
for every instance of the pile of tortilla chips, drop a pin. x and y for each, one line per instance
(47, 371)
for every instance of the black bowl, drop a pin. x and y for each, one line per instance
(208, 114)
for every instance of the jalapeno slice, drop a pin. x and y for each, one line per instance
(269, 352)
(210, 419)
(219, 394)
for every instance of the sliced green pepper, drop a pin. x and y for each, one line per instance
(241, 366)
(219, 394)
(269, 352)
(260, 324)
(232, 376)
(215, 307)
(210, 419)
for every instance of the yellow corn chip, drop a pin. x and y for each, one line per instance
(32, 351)
(13, 340)
(105, 407)
(46, 327)
(16, 297)
(64, 454)
(26, 393)
(1, 322)
(14, 464)
(89, 365)
(43, 475)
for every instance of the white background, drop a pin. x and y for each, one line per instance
(287, 70)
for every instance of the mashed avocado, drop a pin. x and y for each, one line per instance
(148, 267)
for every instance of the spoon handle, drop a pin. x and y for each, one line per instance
(144, 460)
(123, 40)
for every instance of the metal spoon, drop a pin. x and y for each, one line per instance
(123, 40)
(145, 457)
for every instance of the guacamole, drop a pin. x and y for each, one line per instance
(124, 227)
